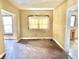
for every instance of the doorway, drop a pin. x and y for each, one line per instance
(71, 38)
(8, 24)
(9, 21)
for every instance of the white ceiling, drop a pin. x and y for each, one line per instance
(29, 4)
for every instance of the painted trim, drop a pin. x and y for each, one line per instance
(36, 38)
(2, 55)
(58, 44)
(6, 11)
(13, 23)
(44, 38)
(73, 7)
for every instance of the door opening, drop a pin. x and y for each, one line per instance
(8, 24)
(71, 38)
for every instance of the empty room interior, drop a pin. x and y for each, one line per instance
(38, 29)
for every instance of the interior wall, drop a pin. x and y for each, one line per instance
(71, 3)
(59, 20)
(1, 33)
(11, 8)
(59, 23)
(25, 32)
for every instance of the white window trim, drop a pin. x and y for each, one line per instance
(12, 26)
(38, 22)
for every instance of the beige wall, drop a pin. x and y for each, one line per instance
(71, 3)
(1, 32)
(59, 21)
(34, 33)
(11, 8)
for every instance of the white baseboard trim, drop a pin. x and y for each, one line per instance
(58, 43)
(36, 38)
(2, 55)
(44, 38)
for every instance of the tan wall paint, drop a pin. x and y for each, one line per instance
(71, 3)
(59, 19)
(1, 32)
(9, 7)
(34, 33)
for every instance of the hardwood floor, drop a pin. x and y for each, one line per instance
(33, 49)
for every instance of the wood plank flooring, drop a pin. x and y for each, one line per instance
(33, 49)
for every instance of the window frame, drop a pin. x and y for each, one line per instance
(74, 21)
(38, 22)
(11, 27)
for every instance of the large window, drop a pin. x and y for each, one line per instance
(38, 22)
(7, 21)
